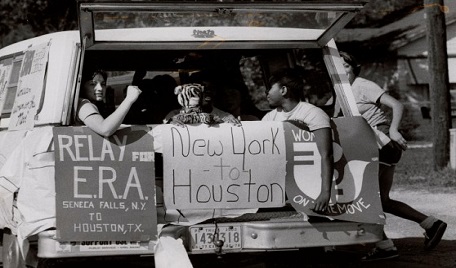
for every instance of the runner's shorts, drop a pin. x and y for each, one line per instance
(390, 154)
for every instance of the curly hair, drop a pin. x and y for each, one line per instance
(290, 78)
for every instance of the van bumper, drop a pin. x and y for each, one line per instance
(279, 233)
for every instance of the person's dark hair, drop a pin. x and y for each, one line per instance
(107, 108)
(290, 78)
(91, 74)
(350, 59)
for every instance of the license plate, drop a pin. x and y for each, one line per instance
(204, 236)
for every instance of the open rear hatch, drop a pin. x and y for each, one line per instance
(178, 25)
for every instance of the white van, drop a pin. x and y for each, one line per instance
(68, 192)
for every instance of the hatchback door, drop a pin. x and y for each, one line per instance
(219, 25)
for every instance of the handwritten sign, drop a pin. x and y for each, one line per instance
(5, 71)
(355, 191)
(105, 187)
(224, 166)
(30, 87)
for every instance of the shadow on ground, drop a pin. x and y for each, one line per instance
(410, 250)
(411, 254)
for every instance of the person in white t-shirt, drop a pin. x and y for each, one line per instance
(370, 98)
(285, 95)
(93, 90)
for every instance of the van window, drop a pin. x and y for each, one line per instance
(243, 72)
(173, 25)
(318, 86)
(14, 63)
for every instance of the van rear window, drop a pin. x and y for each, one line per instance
(237, 79)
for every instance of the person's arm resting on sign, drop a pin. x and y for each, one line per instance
(323, 137)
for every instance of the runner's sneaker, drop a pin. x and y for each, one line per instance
(381, 254)
(433, 235)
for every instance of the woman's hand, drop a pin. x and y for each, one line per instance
(399, 140)
(132, 93)
(321, 203)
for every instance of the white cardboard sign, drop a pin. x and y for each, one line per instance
(224, 166)
(30, 87)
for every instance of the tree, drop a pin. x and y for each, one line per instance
(439, 81)
(22, 19)
(378, 13)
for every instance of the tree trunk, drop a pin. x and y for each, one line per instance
(438, 82)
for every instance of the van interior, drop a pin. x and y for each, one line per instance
(238, 78)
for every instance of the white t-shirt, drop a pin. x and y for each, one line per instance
(85, 109)
(314, 117)
(367, 95)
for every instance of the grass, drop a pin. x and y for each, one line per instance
(416, 171)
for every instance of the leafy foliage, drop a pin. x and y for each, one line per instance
(378, 13)
(22, 19)
(416, 171)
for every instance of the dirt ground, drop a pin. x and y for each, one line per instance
(408, 236)
(440, 205)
